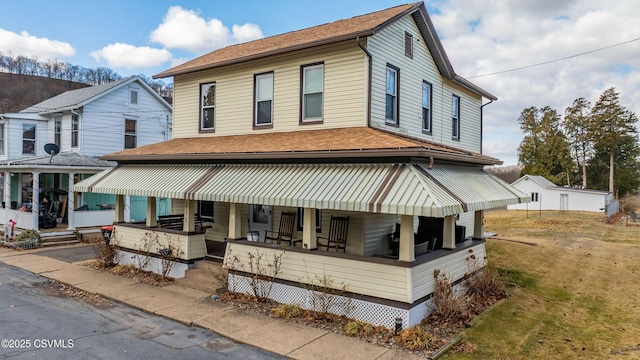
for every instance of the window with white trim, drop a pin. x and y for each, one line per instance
(263, 100)
(312, 92)
(535, 197)
(57, 131)
(1, 140)
(426, 107)
(133, 97)
(75, 130)
(29, 139)
(392, 90)
(455, 117)
(208, 106)
(130, 134)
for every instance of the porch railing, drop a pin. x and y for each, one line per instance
(24, 219)
(93, 218)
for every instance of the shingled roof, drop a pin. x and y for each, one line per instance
(340, 142)
(362, 25)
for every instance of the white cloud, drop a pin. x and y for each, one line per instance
(483, 37)
(185, 29)
(121, 55)
(31, 46)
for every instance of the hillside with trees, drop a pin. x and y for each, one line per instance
(26, 81)
(594, 146)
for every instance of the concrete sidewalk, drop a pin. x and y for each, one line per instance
(192, 307)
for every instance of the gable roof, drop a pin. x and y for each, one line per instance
(340, 30)
(74, 99)
(543, 182)
(326, 143)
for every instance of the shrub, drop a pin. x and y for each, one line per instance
(106, 254)
(630, 204)
(28, 235)
(358, 328)
(448, 304)
(486, 282)
(287, 311)
(415, 338)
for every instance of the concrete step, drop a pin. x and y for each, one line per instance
(59, 243)
(202, 277)
(57, 238)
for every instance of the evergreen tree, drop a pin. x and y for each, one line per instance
(615, 135)
(577, 125)
(544, 150)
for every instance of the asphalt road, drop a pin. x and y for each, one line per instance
(38, 322)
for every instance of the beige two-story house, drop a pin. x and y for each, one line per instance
(360, 129)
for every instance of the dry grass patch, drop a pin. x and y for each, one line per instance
(578, 294)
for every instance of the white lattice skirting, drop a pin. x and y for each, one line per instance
(371, 312)
(154, 265)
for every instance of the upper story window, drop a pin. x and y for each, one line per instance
(1, 139)
(408, 45)
(57, 131)
(312, 92)
(208, 106)
(130, 136)
(455, 117)
(263, 103)
(133, 97)
(393, 87)
(29, 139)
(75, 130)
(426, 108)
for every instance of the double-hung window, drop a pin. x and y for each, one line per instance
(426, 107)
(455, 117)
(312, 92)
(301, 219)
(205, 210)
(130, 135)
(75, 129)
(208, 106)
(29, 139)
(263, 100)
(535, 197)
(1, 139)
(57, 131)
(391, 103)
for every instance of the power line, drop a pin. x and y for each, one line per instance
(555, 60)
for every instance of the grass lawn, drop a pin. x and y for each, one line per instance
(578, 293)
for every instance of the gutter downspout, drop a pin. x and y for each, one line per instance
(481, 123)
(370, 80)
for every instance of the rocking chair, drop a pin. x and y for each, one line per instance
(285, 231)
(338, 231)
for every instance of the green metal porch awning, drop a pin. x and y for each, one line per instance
(402, 189)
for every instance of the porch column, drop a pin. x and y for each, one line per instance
(35, 199)
(189, 224)
(7, 194)
(127, 208)
(235, 222)
(449, 232)
(407, 251)
(309, 229)
(152, 221)
(478, 225)
(119, 215)
(71, 203)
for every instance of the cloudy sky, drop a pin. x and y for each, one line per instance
(526, 52)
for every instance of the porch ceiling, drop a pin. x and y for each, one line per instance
(403, 189)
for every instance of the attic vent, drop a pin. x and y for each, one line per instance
(408, 45)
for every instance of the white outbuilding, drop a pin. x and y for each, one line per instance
(546, 195)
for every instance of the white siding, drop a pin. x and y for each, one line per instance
(377, 228)
(387, 47)
(549, 198)
(102, 122)
(190, 247)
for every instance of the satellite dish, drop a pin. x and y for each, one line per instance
(52, 149)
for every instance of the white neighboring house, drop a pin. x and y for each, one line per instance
(84, 124)
(546, 195)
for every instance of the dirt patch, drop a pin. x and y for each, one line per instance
(56, 288)
(131, 272)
